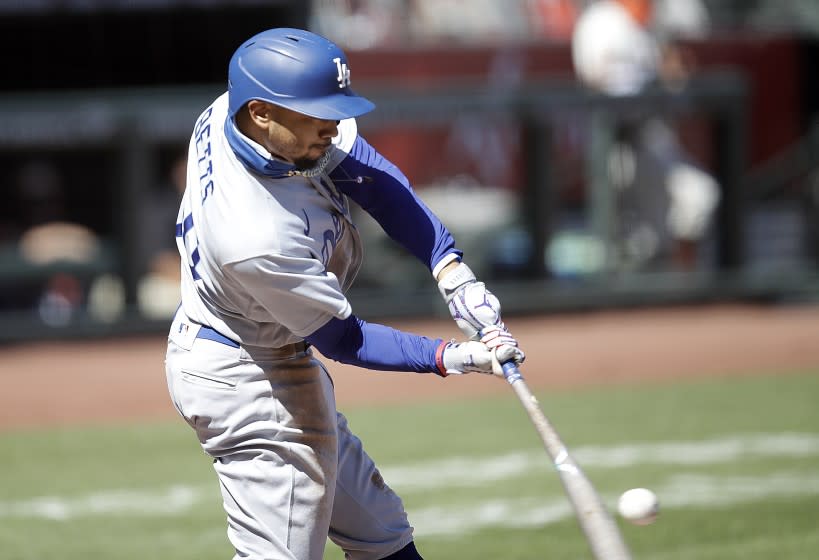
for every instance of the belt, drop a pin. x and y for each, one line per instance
(209, 333)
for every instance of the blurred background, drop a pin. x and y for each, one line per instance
(585, 154)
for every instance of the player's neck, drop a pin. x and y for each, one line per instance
(254, 155)
(247, 127)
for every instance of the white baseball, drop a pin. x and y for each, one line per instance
(639, 506)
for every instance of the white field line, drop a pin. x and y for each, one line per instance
(476, 471)
(680, 491)
(174, 500)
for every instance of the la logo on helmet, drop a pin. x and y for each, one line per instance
(343, 73)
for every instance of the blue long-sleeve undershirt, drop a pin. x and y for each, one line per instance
(373, 346)
(380, 189)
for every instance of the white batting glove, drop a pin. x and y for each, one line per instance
(469, 357)
(471, 305)
(503, 344)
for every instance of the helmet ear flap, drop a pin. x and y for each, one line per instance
(295, 69)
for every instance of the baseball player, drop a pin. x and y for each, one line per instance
(268, 251)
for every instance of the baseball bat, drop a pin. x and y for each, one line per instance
(601, 531)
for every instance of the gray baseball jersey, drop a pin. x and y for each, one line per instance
(263, 269)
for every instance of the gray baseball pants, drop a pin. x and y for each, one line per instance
(290, 470)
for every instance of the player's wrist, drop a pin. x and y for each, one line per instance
(439, 359)
(454, 279)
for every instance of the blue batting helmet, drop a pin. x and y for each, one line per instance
(297, 70)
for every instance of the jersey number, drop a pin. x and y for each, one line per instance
(186, 236)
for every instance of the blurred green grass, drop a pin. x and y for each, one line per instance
(62, 489)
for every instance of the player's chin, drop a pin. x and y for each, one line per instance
(310, 160)
(306, 163)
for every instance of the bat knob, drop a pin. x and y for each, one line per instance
(511, 372)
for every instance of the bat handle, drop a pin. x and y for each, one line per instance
(511, 372)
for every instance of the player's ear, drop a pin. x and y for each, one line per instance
(260, 112)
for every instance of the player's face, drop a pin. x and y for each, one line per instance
(298, 138)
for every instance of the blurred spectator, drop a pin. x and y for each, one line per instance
(48, 235)
(158, 291)
(51, 243)
(665, 203)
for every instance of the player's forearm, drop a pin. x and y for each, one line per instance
(449, 267)
(378, 347)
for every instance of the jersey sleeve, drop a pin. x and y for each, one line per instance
(297, 293)
(382, 190)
